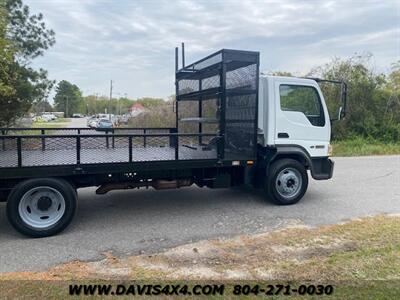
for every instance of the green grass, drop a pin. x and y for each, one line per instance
(59, 122)
(362, 147)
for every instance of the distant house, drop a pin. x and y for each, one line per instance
(136, 109)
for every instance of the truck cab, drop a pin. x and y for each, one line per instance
(294, 132)
(292, 111)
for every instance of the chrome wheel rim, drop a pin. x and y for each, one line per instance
(41, 207)
(288, 183)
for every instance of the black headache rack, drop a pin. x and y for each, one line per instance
(229, 78)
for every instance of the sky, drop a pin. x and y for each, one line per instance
(132, 42)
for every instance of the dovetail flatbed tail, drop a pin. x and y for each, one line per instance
(233, 127)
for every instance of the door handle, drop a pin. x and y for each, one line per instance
(283, 135)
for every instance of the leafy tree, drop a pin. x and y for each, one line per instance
(6, 56)
(282, 73)
(43, 106)
(160, 115)
(391, 114)
(28, 32)
(69, 98)
(150, 102)
(102, 104)
(23, 37)
(394, 77)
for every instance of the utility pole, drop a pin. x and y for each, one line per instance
(66, 107)
(109, 110)
(126, 97)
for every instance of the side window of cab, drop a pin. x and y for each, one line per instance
(304, 99)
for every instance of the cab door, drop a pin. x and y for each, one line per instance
(301, 115)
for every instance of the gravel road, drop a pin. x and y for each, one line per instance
(129, 222)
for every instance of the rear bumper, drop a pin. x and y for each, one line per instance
(321, 168)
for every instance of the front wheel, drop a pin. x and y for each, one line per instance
(41, 207)
(287, 182)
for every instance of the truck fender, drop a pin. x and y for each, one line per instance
(320, 167)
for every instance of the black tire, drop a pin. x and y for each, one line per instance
(61, 186)
(272, 184)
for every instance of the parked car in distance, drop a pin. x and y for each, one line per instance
(104, 124)
(77, 116)
(48, 116)
(123, 119)
(91, 120)
(93, 123)
(103, 116)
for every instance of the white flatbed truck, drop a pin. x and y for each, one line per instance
(266, 131)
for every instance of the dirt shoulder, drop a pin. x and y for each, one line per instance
(364, 249)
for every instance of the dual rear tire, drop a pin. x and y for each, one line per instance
(41, 207)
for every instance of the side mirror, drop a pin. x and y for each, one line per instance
(342, 109)
(339, 117)
(343, 97)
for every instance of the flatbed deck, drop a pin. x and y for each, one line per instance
(93, 147)
(32, 158)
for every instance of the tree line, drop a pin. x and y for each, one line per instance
(69, 99)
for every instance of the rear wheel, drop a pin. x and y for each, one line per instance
(41, 207)
(287, 182)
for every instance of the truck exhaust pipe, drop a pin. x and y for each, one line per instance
(183, 55)
(177, 57)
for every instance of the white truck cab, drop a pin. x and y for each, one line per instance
(294, 131)
(292, 111)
